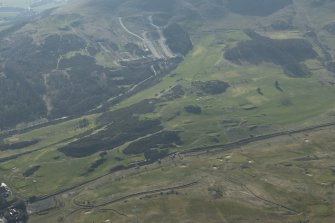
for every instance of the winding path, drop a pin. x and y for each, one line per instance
(139, 194)
(128, 31)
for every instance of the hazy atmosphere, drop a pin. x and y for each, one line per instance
(171, 111)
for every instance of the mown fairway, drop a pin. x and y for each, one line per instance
(238, 113)
(286, 179)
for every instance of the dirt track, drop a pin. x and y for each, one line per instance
(139, 194)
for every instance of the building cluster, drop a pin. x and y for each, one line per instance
(4, 194)
(4, 190)
(11, 211)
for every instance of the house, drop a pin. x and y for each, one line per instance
(4, 191)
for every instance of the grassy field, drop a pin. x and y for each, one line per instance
(297, 104)
(57, 171)
(235, 114)
(288, 179)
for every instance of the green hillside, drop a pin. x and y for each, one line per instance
(179, 111)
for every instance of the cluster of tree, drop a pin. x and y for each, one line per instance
(158, 5)
(331, 66)
(330, 28)
(96, 164)
(83, 123)
(80, 62)
(281, 25)
(121, 126)
(78, 85)
(154, 154)
(120, 132)
(94, 83)
(277, 86)
(193, 109)
(288, 53)
(22, 86)
(61, 44)
(212, 9)
(174, 93)
(216, 191)
(259, 91)
(160, 141)
(178, 39)
(19, 102)
(16, 25)
(14, 211)
(318, 3)
(29, 172)
(30, 82)
(17, 145)
(211, 87)
(161, 19)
